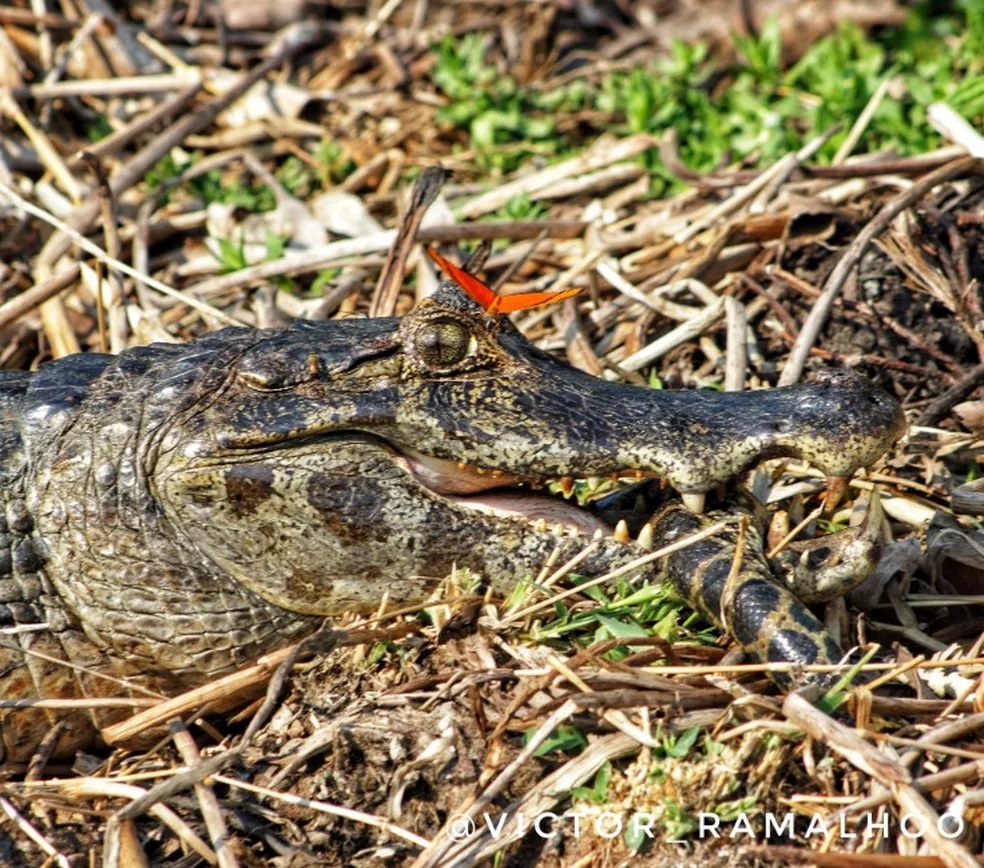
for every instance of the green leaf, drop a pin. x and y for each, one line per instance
(679, 747)
(598, 791)
(564, 738)
(231, 255)
(617, 629)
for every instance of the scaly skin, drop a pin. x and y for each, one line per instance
(176, 511)
(766, 617)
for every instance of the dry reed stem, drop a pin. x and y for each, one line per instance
(209, 804)
(324, 807)
(14, 816)
(886, 769)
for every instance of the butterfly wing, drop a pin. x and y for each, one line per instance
(480, 293)
(488, 298)
(527, 300)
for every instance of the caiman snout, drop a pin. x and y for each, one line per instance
(508, 412)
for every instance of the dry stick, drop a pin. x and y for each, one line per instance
(515, 230)
(317, 257)
(118, 140)
(19, 305)
(90, 703)
(943, 404)
(380, 823)
(938, 735)
(681, 334)
(323, 641)
(147, 800)
(743, 195)
(122, 847)
(391, 277)
(82, 217)
(24, 18)
(736, 364)
(113, 300)
(602, 153)
(614, 716)
(859, 126)
(51, 159)
(211, 812)
(234, 682)
(35, 836)
(44, 750)
(592, 182)
(66, 231)
(954, 126)
(73, 788)
(838, 277)
(886, 770)
(137, 84)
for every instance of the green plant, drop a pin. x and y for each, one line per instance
(564, 738)
(505, 122)
(598, 791)
(753, 111)
(334, 163)
(230, 254)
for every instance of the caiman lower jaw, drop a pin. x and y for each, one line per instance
(488, 491)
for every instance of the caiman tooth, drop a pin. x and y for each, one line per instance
(540, 525)
(779, 527)
(567, 485)
(621, 533)
(646, 537)
(836, 488)
(593, 482)
(559, 529)
(694, 502)
(598, 534)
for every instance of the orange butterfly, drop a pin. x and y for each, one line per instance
(488, 298)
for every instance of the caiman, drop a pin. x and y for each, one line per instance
(178, 510)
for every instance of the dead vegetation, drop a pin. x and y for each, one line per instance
(749, 278)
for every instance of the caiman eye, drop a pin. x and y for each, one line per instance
(443, 342)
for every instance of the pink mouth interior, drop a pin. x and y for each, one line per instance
(481, 490)
(533, 507)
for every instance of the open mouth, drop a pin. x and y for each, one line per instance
(620, 506)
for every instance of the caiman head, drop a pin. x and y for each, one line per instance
(331, 463)
(327, 465)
